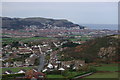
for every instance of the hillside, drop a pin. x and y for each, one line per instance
(104, 49)
(20, 23)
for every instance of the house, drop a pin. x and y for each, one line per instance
(7, 64)
(29, 62)
(35, 70)
(77, 42)
(53, 57)
(22, 71)
(24, 50)
(14, 48)
(55, 66)
(13, 55)
(35, 49)
(50, 66)
(22, 47)
(9, 51)
(61, 69)
(56, 45)
(18, 64)
(44, 70)
(66, 64)
(74, 63)
(46, 49)
(79, 63)
(31, 73)
(31, 59)
(8, 72)
(45, 45)
(49, 50)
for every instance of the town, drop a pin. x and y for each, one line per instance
(39, 49)
(57, 32)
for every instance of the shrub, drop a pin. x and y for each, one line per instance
(92, 69)
(11, 76)
(65, 73)
(54, 72)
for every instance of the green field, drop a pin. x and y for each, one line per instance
(66, 74)
(106, 71)
(107, 67)
(55, 76)
(10, 40)
(16, 69)
(104, 75)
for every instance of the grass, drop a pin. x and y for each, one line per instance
(10, 40)
(55, 76)
(104, 75)
(33, 38)
(110, 71)
(82, 39)
(16, 69)
(68, 74)
(107, 67)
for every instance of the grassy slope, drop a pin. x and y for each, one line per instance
(108, 67)
(104, 75)
(110, 71)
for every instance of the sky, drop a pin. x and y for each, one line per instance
(60, 0)
(77, 12)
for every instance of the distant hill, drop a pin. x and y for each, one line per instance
(103, 49)
(21, 23)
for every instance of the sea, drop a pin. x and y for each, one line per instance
(101, 26)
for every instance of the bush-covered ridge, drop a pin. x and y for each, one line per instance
(91, 50)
